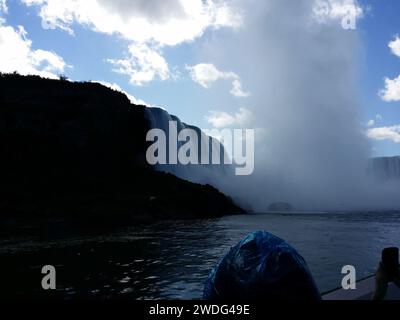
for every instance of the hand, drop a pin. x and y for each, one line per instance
(381, 283)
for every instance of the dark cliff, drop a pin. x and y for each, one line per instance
(75, 153)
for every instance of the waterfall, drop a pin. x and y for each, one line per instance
(385, 168)
(202, 173)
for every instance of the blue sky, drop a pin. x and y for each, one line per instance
(166, 66)
(377, 29)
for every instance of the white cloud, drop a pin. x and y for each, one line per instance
(147, 24)
(3, 11)
(16, 54)
(328, 10)
(385, 133)
(3, 6)
(219, 119)
(237, 90)
(378, 117)
(371, 123)
(395, 46)
(142, 65)
(205, 74)
(391, 91)
(342, 8)
(167, 22)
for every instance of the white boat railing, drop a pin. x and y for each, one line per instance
(364, 291)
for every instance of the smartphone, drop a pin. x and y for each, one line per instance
(390, 260)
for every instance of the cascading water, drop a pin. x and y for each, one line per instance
(212, 174)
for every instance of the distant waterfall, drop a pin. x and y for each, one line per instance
(204, 174)
(385, 168)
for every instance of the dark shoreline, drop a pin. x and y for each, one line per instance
(74, 156)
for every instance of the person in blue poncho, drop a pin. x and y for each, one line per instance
(261, 266)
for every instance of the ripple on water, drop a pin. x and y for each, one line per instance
(125, 280)
(172, 260)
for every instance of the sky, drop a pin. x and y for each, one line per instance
(177, 54)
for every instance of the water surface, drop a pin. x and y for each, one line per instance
(171, 260)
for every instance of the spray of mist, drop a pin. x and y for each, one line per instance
(310, 147)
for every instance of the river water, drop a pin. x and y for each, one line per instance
(171, 260)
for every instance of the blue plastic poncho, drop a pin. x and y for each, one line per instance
(261, 266)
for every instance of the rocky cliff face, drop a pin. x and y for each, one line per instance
(77, 151)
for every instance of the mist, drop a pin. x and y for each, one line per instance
(311, 150)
